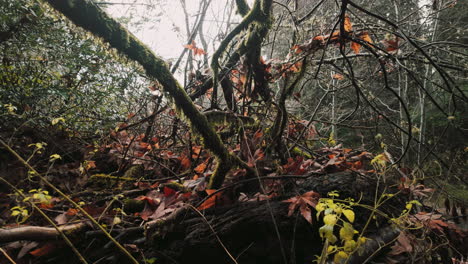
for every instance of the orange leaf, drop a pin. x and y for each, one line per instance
(71, 211)
(296, 67)
(90, 164)
(297, 49)
(210, 202)
(193, 47)
(365, 36)
(185, 163)
(338, 76)
(46, 205)
(258, 134)
(198, 51)
(348, 27)
(437, 224)
(145, 145)
(201, 167)
(335, 36)
(355, 47)
(303, 202)
(44, 250)
(321, 38)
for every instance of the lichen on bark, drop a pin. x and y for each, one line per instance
(87, 15)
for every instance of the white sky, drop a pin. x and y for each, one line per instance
(163, 37)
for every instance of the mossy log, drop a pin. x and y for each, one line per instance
(89, 16)
(249, 232)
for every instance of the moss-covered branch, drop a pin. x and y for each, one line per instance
(258, 19)
(248, 19)
(90, 17)
(281, 119)
(242, 7)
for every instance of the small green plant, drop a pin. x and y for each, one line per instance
(337, 215)
(38, 196)
(21, 213)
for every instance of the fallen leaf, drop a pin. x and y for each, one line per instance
(303, 202)
(210, 202)
(44, 250)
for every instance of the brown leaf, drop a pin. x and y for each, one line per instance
(303, 202)
(365, 36)
(402, 245)
(437, 224)
(185, 162)
(44, 250)
(356, 47)
(392, 45)
(193, 47)
(210, 202)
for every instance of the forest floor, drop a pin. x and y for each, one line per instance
(130, 199)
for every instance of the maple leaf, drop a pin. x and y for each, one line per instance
(193, 47)
(303, 202)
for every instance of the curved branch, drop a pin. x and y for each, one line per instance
(90, 17)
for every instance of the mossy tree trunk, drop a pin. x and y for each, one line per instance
(90, 17)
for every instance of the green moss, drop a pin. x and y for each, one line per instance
(90, 17)
(176, 186)
(225, 118)
(458, 192)
(107, 178)
(242, 7)
(131, 206)
(299, 152)
(134, 172)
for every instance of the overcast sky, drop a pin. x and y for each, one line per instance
(168, 36)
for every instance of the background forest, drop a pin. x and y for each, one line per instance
(285, 131)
